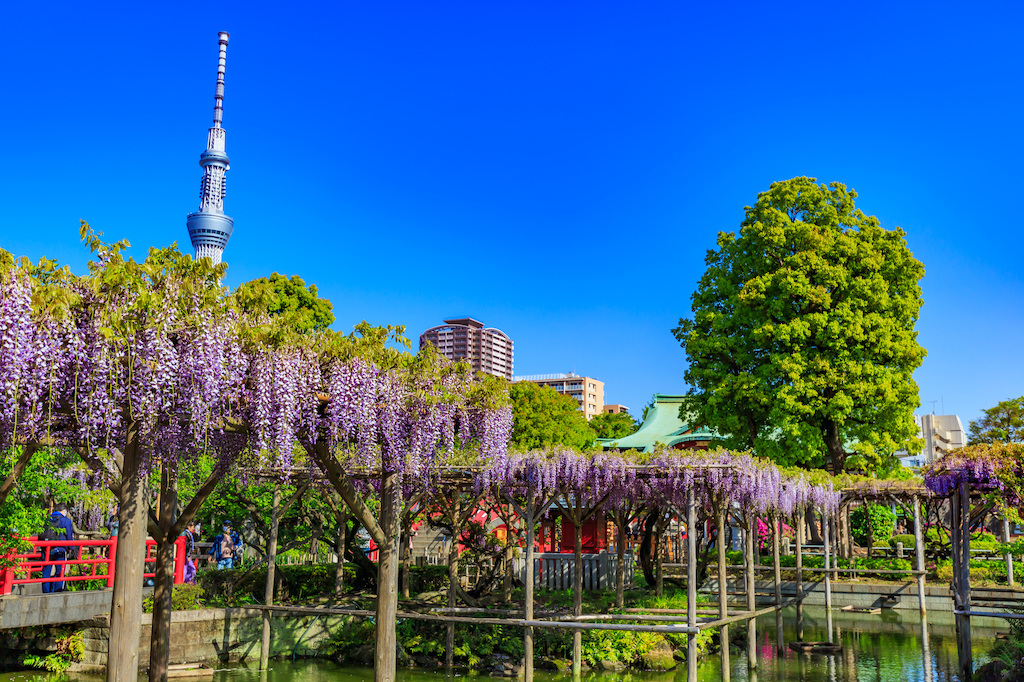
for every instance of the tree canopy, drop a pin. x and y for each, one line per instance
(289, 298)
(1003, 423)
(801, 341)
(614, 425)
(543, 417)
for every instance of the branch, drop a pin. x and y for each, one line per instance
(197, 500)
(341, 482)
(19, 467)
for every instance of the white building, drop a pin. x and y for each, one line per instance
(941, 433)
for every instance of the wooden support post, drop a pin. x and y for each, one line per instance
(386, 650)
(723, 590)
(126, 600)
(1008, 556)
(962, 504)
(780, 645)
(339, 549)
(919, 553)
(826, 533)
(659, 551)
(528, 593)
(799, 519)
(691, 585)
(748, 561)
(577, 587)
(453, 578)
(620, 559)
(268, 589)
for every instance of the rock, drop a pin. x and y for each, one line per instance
(544, 664)
(562, 665)
(611, 666)
(991, 672)
(403, 658)
(660, 657)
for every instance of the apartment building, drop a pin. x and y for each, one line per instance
(486, 349)
(588, 391)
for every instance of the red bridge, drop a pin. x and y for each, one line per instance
(95, 564)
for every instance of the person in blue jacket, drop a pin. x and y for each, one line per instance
(227, 547)
(59, 527)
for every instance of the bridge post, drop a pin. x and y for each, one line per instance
(179, 560)
(111, 561)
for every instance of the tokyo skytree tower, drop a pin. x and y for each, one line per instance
(208, 227)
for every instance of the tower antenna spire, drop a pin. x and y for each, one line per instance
(218, 98)
(209, 228)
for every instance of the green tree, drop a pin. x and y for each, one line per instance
(614, 425)
(288, 297)
(802, 337)
(543, 417)
(1003, 423)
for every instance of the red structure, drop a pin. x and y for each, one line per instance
(95, 556)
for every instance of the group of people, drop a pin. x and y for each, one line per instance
(226, 549)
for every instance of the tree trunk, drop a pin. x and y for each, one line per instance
(268, 590)
(834, 446)
(646, 553)
(406, 554)
(126, 600)
(385, 654)
(812, 525)
(528, 591)
(723, 591)
(160, 632)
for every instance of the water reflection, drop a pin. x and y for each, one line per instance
(892, 647)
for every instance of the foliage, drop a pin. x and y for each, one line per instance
(1003, 423)
(543, 417)
(909, 542)
(184, 597)
(299, 307)
(883, 523)
(609, 425)
(993, 468)
(802, 336)
(70, 648)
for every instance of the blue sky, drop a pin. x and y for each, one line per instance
(557, 170)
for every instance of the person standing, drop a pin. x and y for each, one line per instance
(226, 546)
(58, 527)
(190, 549)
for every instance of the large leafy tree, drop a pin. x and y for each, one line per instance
(802, 340)
(1003, 423)
(541, 417)
(614, 425)
(298, 306)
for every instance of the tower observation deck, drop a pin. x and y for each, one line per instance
(209, 228)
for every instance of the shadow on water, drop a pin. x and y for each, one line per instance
(891, 647)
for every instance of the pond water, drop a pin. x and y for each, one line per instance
(879, 648)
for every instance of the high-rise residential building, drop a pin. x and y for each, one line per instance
(588, 391)
(208, 227)
(486, 349)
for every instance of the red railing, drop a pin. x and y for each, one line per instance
(95, 556)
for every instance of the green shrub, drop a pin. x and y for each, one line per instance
(907, 540)
(883, 522)
(184, 597)
(428, 578)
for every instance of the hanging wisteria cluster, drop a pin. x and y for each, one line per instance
(717, 477)
(159, 350)
(986, 468)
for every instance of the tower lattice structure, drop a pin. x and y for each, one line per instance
(209, 228)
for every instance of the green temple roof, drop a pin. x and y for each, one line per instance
(662, 425)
